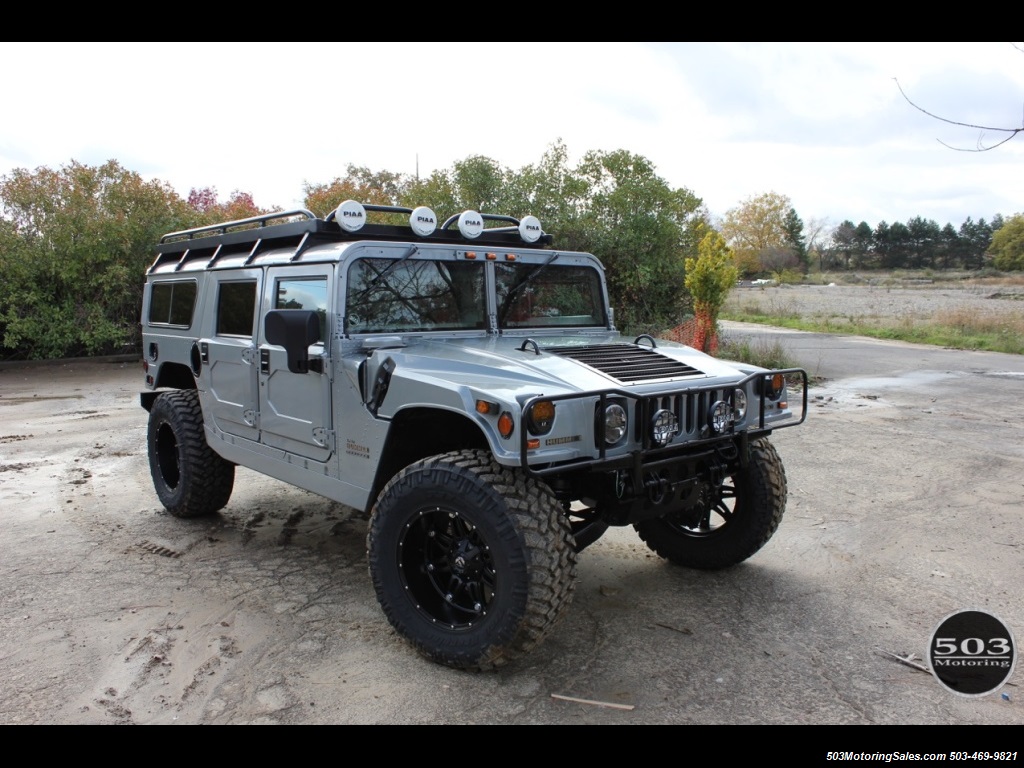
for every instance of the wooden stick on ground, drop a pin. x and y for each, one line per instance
(627, 707)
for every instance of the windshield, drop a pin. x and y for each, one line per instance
(539, 295)
(385, 296)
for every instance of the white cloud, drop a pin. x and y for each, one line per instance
(823, 123)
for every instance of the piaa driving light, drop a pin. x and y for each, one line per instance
(664, 426)
(719, 417)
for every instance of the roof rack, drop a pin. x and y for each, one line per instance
(300, 228)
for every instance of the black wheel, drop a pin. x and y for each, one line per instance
(726, 524)
(472, 562)
(190, 478)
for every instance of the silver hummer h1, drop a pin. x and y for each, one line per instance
(464, 385)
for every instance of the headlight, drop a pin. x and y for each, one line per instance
(664, 425)
(739, 406)
(615, 423)
(719, 417)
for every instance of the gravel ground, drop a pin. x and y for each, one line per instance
(868, 303)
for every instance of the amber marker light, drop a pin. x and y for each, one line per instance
(505, 425)
(539, 417)
(470, 255)
(774, 385)
(532, 444)
(510, 257)
(492, 256)
(486, 408)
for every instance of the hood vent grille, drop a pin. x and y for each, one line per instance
(626, 362)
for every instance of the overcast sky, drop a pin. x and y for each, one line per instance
(822, 123)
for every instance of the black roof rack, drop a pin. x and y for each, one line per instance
(300, 228)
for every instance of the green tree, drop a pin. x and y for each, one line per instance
(709, 278)
(1007, 248)
(976, 237)
(864, 245)
(923, 236)
(794, 227)
(756, 229)
(844, 239)
(75, 246)
(642, 229)
(950, 248)
(555, 193)
(359, 183)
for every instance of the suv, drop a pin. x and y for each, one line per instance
(464, 385)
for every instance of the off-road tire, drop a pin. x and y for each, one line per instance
(472, 562)
(748, 508)
(190, 478)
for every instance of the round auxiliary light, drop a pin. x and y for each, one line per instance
(471, 224)
(664, 426)
(540, 416)
(423, 221)
(740, 404)
(350, 215)
(530, 229)
(614, 423)
(719, 416)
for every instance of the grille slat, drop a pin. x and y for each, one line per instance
(626, 362)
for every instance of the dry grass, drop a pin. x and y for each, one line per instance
(980, 312)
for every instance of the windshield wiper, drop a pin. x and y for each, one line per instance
(413, 250)
(506, 305)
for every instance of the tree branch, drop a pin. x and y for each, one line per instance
(1011, 132)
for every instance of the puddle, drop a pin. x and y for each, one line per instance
(903, 381)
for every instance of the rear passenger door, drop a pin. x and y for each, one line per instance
(295, 408)
(231, 364)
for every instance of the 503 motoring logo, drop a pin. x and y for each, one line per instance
(972, 653)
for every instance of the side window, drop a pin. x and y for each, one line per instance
(172, 303)
(236, 308)
(304, 293)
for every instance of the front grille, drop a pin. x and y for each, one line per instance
(627, 363)
(691, 411)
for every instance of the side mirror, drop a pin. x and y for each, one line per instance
(295, 330)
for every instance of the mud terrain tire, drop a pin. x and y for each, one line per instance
(472, 562)
(735, 522)
(190, 478)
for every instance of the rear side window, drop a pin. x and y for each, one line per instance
(172, 303)
(236, 308)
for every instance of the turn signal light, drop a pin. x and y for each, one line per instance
(506, 426)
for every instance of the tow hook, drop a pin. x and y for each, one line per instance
(658, 487)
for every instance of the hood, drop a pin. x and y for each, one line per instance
(557, 365)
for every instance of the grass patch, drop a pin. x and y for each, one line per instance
(761, 352)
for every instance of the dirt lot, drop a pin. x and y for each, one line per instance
(905, 506)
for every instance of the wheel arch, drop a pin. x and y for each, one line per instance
(416, 433)
(168, 376)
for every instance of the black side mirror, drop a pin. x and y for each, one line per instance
(295, 330)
